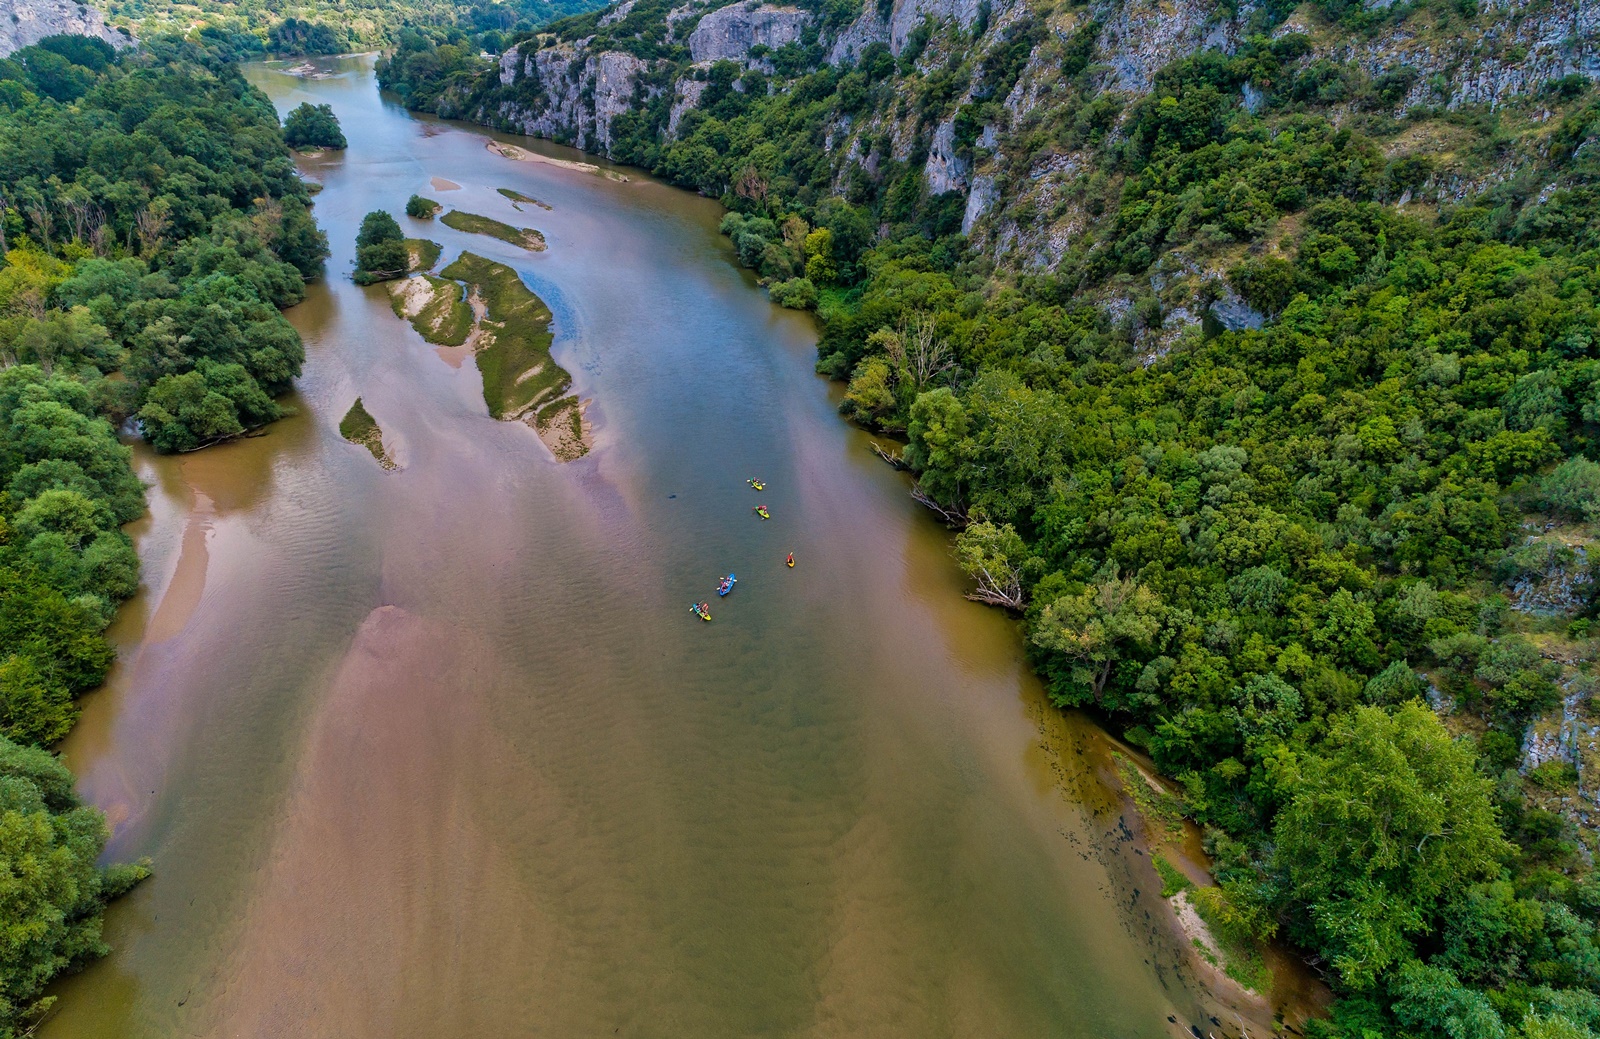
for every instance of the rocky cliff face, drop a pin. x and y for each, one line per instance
(729, 32)
(26, 22)
(566, 91)
(579, 93)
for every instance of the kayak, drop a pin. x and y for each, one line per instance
(761, 510)
(790, 560)
(757, 484)
(725, 585)
(699, 610)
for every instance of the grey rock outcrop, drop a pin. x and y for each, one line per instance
(945, 170)
(1234, 313)
(685, 96)
(1138, 38)
(983, 195)
(583, 93)
(730, 32)
(26, 22)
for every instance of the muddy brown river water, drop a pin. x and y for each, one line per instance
(441, 751)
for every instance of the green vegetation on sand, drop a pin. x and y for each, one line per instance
(436, 308)
(520, 380)
(359, 427)
(518, 375)
(472, 223)
(421, 208)
(422, 253)
(517, 196)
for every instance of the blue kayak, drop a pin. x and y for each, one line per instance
(725, 585)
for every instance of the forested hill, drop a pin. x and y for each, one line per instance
(1254, 350)
(253, 29)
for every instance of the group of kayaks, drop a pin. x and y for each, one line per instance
(725, 585)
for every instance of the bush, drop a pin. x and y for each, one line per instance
(421, 208)
(796, 294)
(1573, 489)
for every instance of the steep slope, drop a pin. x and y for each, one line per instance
(26, 22)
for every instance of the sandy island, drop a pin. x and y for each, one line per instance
(512, 151)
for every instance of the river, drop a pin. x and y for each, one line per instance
(441, 751)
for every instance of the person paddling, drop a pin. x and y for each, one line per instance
(790, 560)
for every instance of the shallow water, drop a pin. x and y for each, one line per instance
(442, 752)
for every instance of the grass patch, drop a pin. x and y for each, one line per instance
(472, 223)
(424, 254)
(1241, 954)
(359, 427)
(519, 378)
(1161, 810)
(436, 307)
(1173, 879)
(517, 196)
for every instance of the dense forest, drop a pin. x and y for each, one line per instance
(249, 29)
(1322, 549)
(152, 226)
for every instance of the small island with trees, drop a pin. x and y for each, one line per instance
(313, 128)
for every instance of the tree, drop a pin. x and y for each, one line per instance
(1385, 819)
(421, 208)
(293, 36)
(1097, 628)
(313, 126)
(993, 557)
(380, 248)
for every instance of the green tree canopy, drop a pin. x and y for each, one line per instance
(313, 126)
(1384, 820)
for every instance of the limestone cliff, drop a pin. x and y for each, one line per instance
(571, 90)
(26, 22)
(1023, 203)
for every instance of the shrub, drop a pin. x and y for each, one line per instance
(796, 294)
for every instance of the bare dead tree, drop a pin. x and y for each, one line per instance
(267, 220)
(76, 208)
(954, 516)
(38, 211)
(751, 185)
(152, 226)
(101, 239)
(999, 588)
(926, 356)
(893, 458)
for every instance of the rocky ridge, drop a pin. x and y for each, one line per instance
(26, 22)
(1516, 47)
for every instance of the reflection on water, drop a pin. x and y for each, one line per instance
(441, 751)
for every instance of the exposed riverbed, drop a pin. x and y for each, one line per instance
(440, 751)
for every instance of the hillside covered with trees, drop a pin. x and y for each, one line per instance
(152, 226)
(253, 29)
(1255, 354)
